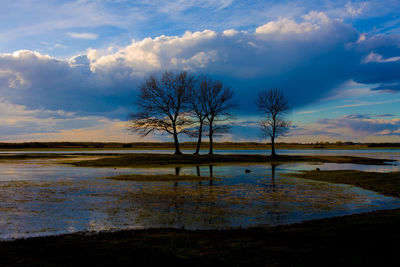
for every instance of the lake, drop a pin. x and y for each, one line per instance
(42, 197)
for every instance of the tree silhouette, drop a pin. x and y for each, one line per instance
(218, 101)
(197, 106)
(162, 104)
(274, 106)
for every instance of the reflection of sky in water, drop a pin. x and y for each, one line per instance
(39, 199)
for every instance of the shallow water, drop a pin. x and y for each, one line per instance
(39, 197)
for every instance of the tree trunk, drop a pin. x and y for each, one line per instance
(199, 140)
(273, 154)
(176, 141)
(210, 135)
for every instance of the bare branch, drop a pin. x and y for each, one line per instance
(274, 106)
(162, 105)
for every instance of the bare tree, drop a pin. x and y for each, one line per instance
(161, 106)
(218, 101)
(197, 106)
(274, 106)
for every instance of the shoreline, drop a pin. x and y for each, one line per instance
(366, 238)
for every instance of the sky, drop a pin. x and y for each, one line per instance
(70, 70)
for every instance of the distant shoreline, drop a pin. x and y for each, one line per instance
(90, 146)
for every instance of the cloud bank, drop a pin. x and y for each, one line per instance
(307, 59)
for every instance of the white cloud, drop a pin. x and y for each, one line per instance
(354, 10)
(162, 52)
(374, 57)
(286, 26)
(200, 60)
(230, 32)
(316, 17)
(198, 50)
(83, 35)
(361, 38)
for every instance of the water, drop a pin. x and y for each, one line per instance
(41, 197)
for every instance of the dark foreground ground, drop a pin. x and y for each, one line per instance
(371, 239)
(359, 240)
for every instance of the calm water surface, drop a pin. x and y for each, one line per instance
(40, 197)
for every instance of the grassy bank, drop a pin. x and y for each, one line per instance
(155, 160)
(384, 183)
(369, 239)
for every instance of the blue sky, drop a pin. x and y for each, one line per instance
(70, 70)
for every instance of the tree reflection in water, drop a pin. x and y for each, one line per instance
(211, 167)
(198, 174)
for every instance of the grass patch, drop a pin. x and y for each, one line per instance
(158, 178)
(385, 183)
(154, 160)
